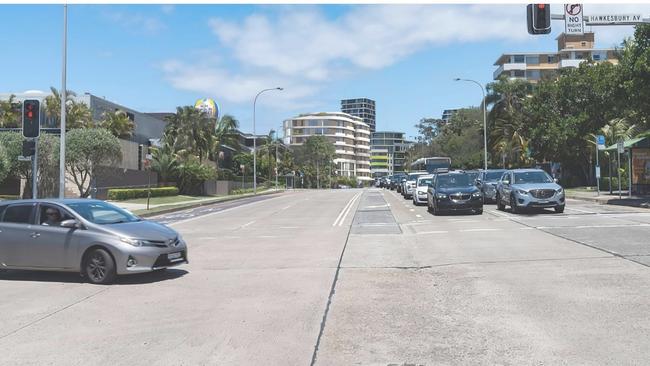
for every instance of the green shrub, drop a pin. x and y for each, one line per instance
(131, 193)
(604, 183)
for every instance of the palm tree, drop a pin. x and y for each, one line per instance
(78, 115)
(9, 112)
(506, 118)
(165, 163)
(225, 134)
(190, 132)
(119, 123)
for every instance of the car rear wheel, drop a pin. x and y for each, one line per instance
(559, 209)
(479, 211)
(500, 205)
(99, 267)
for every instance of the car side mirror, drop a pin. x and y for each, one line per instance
(506, 182)
(70, 224)
(555, 180)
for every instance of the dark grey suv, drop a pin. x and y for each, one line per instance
(92, 237)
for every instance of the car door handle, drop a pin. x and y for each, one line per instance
(35, 235)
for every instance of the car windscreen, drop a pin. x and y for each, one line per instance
(454, 181)
(413, 176)
(532, 177)
(493, 176)
(425, 182)
(102, 213)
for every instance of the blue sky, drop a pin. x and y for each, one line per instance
(153, 58)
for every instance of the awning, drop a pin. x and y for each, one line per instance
(643, 142)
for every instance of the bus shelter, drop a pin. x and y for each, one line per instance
(637, 152)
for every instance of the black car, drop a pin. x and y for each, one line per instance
(396, 182)
(454, 191)
(487, 183)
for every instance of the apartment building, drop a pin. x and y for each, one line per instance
(387, 153)
(361, 107)
(349, 134)
(571, 51)
(448, 113)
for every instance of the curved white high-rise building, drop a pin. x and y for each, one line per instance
(349, 134)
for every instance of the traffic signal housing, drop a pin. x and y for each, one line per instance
(539, 18)
(29, 148)
(31, 118)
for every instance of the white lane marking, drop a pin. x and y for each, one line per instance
(344, 210)
(592, 226)
(526, 228)
(462, 221)
(222, 211)
(268, 236)
(418, 215)
(432, 232)
(345, 215)
(289, 227)
(412, 209)
(584, 211)
(473, 230)
(284, 208)
(247, 224)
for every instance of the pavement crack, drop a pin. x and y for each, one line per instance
(53, 313)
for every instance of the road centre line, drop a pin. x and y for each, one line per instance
(474, 230)
(345, 215)
(345, 208)
(584, 211)
(247, 224)
(432, 232)
(592, 226)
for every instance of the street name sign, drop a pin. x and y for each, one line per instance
(573, 20)
(600, 142)
(614, 19)
(621, 147)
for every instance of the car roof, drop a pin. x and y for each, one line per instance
(64, 201)
(525, 170)
(425, 176)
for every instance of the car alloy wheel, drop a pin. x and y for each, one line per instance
(99, 267)
(500, 205)
(559, 209)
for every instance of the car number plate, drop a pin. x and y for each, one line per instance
(543, 202)
(172, 256)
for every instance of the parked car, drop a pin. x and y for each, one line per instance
(529, 188)
(92, 237)
(421, 186)
(487, 183)
(396, 182)
(408, 186)
(454, 191)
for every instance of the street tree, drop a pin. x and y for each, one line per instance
(191, 133)
(165, 163)
(319, 152)
(88, 151)
(4, 164)
(9, 113)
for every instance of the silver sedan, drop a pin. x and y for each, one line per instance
(92, 237)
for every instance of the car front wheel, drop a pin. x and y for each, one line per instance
(559, 209)
(99, 267)
(513, 204)
(500, 205)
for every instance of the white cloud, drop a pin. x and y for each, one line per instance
(167, 8)
(136, 23)
(302, 49)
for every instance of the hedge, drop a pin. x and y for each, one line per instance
(130, 193)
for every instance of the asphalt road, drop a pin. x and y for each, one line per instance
(355, 277)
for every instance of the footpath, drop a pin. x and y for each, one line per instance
(610, 199)
(162, 208)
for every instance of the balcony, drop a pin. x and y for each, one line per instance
(507, 67)
(571, 63)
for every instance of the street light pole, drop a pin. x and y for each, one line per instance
(485, 166)
(64, 97)
(255, 139)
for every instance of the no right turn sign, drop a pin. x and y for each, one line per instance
(573, 21)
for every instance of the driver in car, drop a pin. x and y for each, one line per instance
(52, 217)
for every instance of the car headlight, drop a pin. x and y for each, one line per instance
(560, 190)
(476, 194)
(441, 195)
(522, 192)
(134, 242)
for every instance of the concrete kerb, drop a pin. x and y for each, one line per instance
(204, 203)
(604, 200)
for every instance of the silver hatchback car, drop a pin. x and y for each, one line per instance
(92, 237)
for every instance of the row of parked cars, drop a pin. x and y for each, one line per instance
(468, 190)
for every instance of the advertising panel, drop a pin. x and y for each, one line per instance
(641, 169)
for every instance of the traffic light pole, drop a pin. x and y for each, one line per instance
(35, 170)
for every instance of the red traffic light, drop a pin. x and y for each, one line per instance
(541, 6)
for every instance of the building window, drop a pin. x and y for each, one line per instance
(519, 73)
(596, 57)
(551, 59)
(532, 60)
(519, 59)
